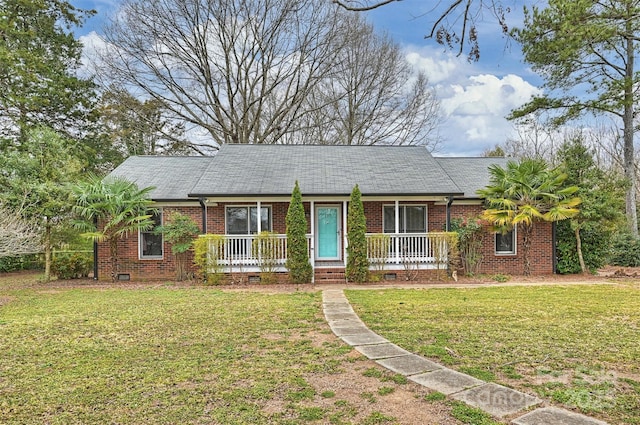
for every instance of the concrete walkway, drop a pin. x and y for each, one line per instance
(494, 399)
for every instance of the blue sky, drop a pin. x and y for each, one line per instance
(474, 97)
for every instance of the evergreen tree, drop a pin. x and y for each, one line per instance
(357, 261)
(300, 270)
(583, 241)
(39, 60)
(35, 179)
(587, 52)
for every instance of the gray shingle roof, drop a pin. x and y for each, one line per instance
(271, 170)
(172, 176)
(470, 174)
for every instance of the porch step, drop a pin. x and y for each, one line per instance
(330, 275)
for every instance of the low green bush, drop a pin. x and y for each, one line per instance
(21, 262)
(625, 251)
(71, 265)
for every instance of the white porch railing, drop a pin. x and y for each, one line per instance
(406, 248)
(238, 250)
(382, 249)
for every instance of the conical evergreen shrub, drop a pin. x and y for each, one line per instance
(300, 270)
(357, 262)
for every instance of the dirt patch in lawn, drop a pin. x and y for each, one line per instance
(5, 300)
(373, 395)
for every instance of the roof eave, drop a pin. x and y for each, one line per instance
(267, 195)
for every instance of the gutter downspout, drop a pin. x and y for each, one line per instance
(202, 202)
(95, 252)
(449, 202)
(554, 246)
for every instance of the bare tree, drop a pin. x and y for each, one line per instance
(239, 69)
(455, 23)
(372, 95)
(362, 6)
(17, 236)
(535, 139)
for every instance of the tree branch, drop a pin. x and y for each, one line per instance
(347, 5)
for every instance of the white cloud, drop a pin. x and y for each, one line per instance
(473, 102)
(93, 44)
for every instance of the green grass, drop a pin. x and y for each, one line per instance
(159, 356)
(435, 396)
(471, 415)
(580, 340)
(385, 390)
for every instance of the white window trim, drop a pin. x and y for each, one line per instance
(426, 214)
(226, 229)
(140, 232)
(507, 253)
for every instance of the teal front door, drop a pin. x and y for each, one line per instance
(328, 233)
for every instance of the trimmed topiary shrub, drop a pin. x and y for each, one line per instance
(357, 262)
(300, 270)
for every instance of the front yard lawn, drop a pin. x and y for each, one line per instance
(79, 353)
(577, 346)
(154, 355)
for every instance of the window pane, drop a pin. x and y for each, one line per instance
(253, 220)
(151, 243)
(505, 243)
(389, 225)
(237, 221)
(265, 216)
(415, 219)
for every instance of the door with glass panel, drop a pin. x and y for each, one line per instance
(328, 233)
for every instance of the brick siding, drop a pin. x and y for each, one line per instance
(154, 269)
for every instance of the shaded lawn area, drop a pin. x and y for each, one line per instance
(577, 346)
(163, 355)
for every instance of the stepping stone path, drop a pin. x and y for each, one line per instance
(494, 399)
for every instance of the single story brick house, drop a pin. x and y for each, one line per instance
(245, 189)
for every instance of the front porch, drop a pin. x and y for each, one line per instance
(385, 252)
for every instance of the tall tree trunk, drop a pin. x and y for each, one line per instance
(628, 125)
(583, 267)
(181, 260)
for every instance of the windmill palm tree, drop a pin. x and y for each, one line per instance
(526, 192)
(112, 209)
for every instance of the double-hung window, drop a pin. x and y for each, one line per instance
(243, 220)
(151, 243)
(506, 243)
(412, 218)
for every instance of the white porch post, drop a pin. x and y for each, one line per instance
(344, 233)
(312, 242)
(259, 227)
(397, 231)
(259, 206)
